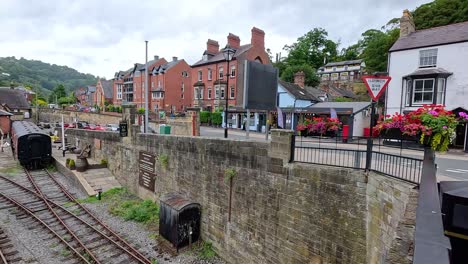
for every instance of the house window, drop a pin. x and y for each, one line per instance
(233, 71)
(157, 95)
(423, 92)
(184, 74)
(217, 92)
(334, 68)
(231, 94)
(345, 68)
(201, 93)
(182, 89)
(440, 99)
(182, 96)
(428, 58)
(221, 73)
(119, 91)
(222, 92)
(200, 76)
(409, 85)
(210, 74)
(159, 83)
(195, 93)
(209, 92)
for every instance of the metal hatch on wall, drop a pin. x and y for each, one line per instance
(179, 219)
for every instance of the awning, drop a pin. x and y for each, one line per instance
(425, 72)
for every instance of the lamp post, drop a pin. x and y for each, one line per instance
(228, 53)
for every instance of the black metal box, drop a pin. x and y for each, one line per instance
(179, 220)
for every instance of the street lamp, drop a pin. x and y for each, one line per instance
(228, 53)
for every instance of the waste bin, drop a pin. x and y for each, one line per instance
(164, 129)
(179, 219)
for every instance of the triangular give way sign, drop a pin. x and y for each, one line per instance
(376, 85)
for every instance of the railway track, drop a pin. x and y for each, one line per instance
(40, 196)
(7, 252)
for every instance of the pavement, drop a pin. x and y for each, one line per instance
(452, 165)
(91, 179)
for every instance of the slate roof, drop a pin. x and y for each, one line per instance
(298, 92)
(91, 89)
(343, 92)
(108, 89)
(164, 67)
(430, 71)
(4, 113)
(14, 99)
(433, 36)
(341, 63)
(220, 57)
(315, 92)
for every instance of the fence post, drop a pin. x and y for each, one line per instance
(370, 142)
(357, 159)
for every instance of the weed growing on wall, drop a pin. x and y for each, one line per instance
(229, 174)
(206, 251)
(163, 160)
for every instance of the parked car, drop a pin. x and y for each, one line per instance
(112, 127)
(100, 128)
(81, 124)
(90, 126)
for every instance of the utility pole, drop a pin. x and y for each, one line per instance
(146, 88)
(37, 106)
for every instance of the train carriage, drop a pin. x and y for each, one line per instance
(31, 147)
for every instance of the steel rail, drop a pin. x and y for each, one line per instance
(22, 207)
(142, 258)
(90, 254)
(4, 260)
(75, 216)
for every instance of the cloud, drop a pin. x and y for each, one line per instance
(102, 37)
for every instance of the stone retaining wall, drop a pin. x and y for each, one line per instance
(281, 212)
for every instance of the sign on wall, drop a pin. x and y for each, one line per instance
(123, 129)
(146, 163)
(376, 85)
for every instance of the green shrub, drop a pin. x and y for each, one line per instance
(205, 116)
(164, 160)
(71, 163)
(229, 173)
(103, 162)
(67, 162)
(118, 109)
(216, 118)
(141, 110)
(110, 108)
(206, 251)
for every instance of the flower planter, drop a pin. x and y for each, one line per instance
(81, 164)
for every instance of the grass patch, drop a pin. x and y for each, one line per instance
(51, 168)
(65, 252)
(206, 251)
(11, 171)
(128, 206)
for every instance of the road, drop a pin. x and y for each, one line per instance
(450, 166)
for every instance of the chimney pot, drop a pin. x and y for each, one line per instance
(174, 58)
(299, 79)
(233, 41)
(212, 46)
(406, 24)
(156, 57)
(258, 38)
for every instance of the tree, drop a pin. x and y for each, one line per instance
(311, 79)
(58, 92)
(313, 49)
(440, 13)
(375, 45)
(350, 53)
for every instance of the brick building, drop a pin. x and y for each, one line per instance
(209, 74)
(170, 86)
(104, 93)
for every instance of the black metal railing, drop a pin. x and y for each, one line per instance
(385, 156)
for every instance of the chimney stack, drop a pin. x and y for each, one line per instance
(299, 79)
(258, 38)
(156, 57)
(212, 46)
(233, 41)
(174, 58)
(406, 24)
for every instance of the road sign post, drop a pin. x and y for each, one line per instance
(376, 85)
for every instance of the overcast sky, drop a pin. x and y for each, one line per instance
(101, 37)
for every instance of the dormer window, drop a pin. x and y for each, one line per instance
(205, 57)
(428, 58)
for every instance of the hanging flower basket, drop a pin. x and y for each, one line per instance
(430, 125)
(319, 126)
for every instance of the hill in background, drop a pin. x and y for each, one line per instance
(47, 76)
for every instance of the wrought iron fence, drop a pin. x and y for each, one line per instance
(386, 156)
